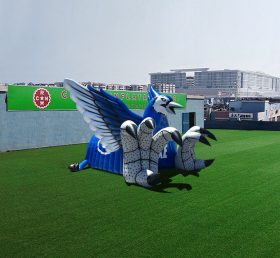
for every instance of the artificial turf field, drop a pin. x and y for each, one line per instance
(231, 210)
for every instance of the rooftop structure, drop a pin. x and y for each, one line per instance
(190, 70)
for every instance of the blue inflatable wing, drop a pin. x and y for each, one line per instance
(103, 112)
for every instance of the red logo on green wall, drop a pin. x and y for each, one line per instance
(41, 98)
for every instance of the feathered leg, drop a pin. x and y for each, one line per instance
(141, 151)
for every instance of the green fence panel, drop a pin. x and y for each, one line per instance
(52, 98)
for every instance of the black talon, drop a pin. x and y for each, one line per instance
(208, 162)
(150, 123)
(131, 130)
(153, 179)
(203, 140)
(74, 167)
(176, 136)
(208, 133)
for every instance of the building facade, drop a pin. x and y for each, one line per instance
(254, 110)
(237, 83)
(250, 110)
(220, 83)
(164, 87)
(176, 78)
(132, 87)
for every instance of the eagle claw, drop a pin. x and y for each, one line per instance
(185, 158)
(74, 167)
(141, 151)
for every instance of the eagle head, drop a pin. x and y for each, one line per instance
(162, 104)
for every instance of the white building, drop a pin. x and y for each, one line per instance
(164, 87)
(236, 83)
(221, 83)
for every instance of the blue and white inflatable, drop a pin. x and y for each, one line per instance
(126, 143)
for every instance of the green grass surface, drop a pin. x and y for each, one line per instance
(232, 209)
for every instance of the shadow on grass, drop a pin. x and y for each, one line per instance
(166, 176)
(166, 180)
(162, 187)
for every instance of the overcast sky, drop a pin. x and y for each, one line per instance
(122, 41)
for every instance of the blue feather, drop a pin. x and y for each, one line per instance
(152, 93)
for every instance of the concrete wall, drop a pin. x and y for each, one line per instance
(196, 105)
(193, 105)
(35, 129)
